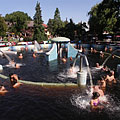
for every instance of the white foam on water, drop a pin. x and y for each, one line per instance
(110, 106)
(68, 74)
(11, 66)
(82, 101)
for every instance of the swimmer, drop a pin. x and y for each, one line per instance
(96, 88)
(20, 56)
(101, 54)
(91, 50)
(71, 68)
(110, 78)
(106, 49)
(26, 49)
(14, 80)
(94, 51)
(13, 64)
(71, 58)
(97, 65)
(113, 56)
(95, 100)
(110, 49)
(102, 83)
(64, 60)
(34, 55)
(2, 90)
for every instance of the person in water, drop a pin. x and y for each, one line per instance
(96, 88)
(97, 65)
(20, 56)
(71, 68)
(102, 83)
(34, 55)
(95, 100)
(71, 59)
(14, 80)
(64, 60)
(110, 78)
(13, 64)
(2, 90)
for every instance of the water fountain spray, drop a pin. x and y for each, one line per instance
(82, 74)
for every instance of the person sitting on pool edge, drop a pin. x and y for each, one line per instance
(14, 80)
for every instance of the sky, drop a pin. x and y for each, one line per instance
(75, 9)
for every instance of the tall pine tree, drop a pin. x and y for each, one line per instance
(39, 33)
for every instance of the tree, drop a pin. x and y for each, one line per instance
(39, 33)
(54, 25)
(3, 27)
(70, 30)
(18, 21)
(51, 25)
(103, 17)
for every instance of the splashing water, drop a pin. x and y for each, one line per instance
(110, 56)
(68, 73)
(8, 58)
(36, 46)
(82, 101)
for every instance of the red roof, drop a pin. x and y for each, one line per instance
(45, 25)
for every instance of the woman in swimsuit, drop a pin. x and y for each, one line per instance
(95, 100)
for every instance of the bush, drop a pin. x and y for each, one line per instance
(28, 39)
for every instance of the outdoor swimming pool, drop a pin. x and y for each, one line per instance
(54, 103)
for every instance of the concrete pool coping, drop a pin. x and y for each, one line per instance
(44, 83)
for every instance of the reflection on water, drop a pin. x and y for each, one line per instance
(32, 102)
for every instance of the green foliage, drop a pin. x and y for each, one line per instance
(3, 27)
(26, 39)
(17, 20)
(39, 33)
(103, 17)
(54, 25)
(70, 30)
(51, 26)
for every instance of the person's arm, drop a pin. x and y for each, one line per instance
(114, 80)
(91, 103)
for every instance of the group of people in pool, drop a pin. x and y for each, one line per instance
(14, 77)
(108, 78)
